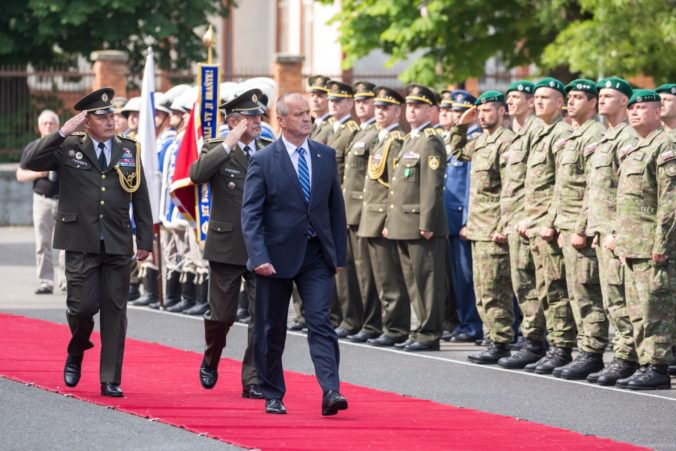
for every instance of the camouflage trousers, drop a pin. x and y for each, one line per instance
(493, 289)
(611, 274)
(650, 301)
(522, 271)
(584, 290)
(550, 277)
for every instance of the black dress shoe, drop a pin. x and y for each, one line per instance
(384, 341)
(296, 326)
(275, 406)
(362, 336)
(332, 402)
(655, 377)
(403, 344)
(463, 337)
(71, 372)
(243, 316)
(447, 335)
(495, 352)
(198, 309)
(208, 376)
(418, 346)
(252, 392)
(341, 332)
(112, 390)
(44, 289)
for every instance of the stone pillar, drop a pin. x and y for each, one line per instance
(287, 71)
(110, 70)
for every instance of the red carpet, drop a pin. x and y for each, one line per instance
(34, 351)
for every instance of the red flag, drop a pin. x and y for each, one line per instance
(182, 190)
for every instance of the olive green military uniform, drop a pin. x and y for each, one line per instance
(566, 213)
(94, 228)
(322, 128)
(395, 306)
(490, 260)
(512, 208)
(646, 225)
(600, 204)
(225, 249)
(356, 163)
(543, 159)
(416, 203)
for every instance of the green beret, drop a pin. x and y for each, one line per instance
(643, 95)
(490, 96)
(522, 86)
(615, 83)
(552, 83)
(582, 84)
(669, 88)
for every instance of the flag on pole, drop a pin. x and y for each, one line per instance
(146, 137)
(182, 190)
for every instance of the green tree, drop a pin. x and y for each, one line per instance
(456, 37)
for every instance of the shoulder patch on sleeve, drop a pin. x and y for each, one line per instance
(590, 148)
(665, 156)
(560, 143)
(433, 162)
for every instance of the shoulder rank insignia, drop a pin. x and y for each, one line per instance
(218, 139)
(352, 125)
(265, 140)
(396, 134)
(77, 134)
(429, 132)
(433, 162)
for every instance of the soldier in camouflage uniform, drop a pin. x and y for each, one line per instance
(526, 127)
(383, 254)
(570, 222)
(646, 231)
(490, 251)
(417, 221)
(356, 163)
(600, 206)
(543, 159)
(319, 107)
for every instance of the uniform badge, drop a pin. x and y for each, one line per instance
(433, 162)
(71, 153)
(407, 172)
(254, 98)
(590, 148)
(104, 97)
(78, 155)
(231, 185)
(560, 143)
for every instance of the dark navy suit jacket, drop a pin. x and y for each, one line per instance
(275, 217)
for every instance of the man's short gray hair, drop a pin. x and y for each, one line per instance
(46, 113)
(282, 109)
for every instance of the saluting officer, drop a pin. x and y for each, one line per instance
(319, 108)
(223, 164)
(417, 221)
(99, 175)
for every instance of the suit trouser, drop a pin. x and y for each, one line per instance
(395, 304)
(315, 284)
(460, 254)
(423, 266)
(98, 282)
(451, 321)
(372, 316)
(44, 212)
(224, 287)
(346, 309)
(586, 301)
(522, 271)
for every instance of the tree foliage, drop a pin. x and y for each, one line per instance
(45, 32)
(456, 37)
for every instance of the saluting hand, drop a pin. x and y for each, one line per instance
(72, 124)
(468, 116)
(235, 134)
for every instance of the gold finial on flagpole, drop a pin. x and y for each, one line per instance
(209, 41)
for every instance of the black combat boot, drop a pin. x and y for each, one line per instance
(202, 303)
(531, 352)
(622, 383)
(150, 286)
(559, 357)
(530, 368)
(188, 293)
(584, 364)
(172, 292)
(618, 369)
(495, 352)
(655, 377)
(134, 292)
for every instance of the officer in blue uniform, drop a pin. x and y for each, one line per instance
(456, 201)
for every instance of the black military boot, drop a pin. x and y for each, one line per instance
(134, 292)
(202, 303)
(214, 335)
(622, 383)
(172, 291)
(655, 377)
(560, 357)
(584, 364)
(188, 292)
(531, 352)
(672, 367)
(518, 343)
(495, 352)
(150, 286)
(530, 368)
(618, 369)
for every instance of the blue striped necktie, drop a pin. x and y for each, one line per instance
(303, 174)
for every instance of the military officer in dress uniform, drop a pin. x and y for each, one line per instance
(223, 164)
(417, 221)
(99, 175)
(395, 306)
(490, 251)
(319, 108)
(346, 310)
(356, 163)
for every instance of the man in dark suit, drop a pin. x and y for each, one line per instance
(225, 170)
(100, 175)
(293, 218)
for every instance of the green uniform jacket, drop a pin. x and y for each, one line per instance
(92, 204)
(488, 164)
(600, 198)
(356, 163)
(416, 188)
(340, 140)
(646, 198)
(566, 211)
(543, 159)
(376, 184)
(512, 204)
(321, 129)
(225, 174)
